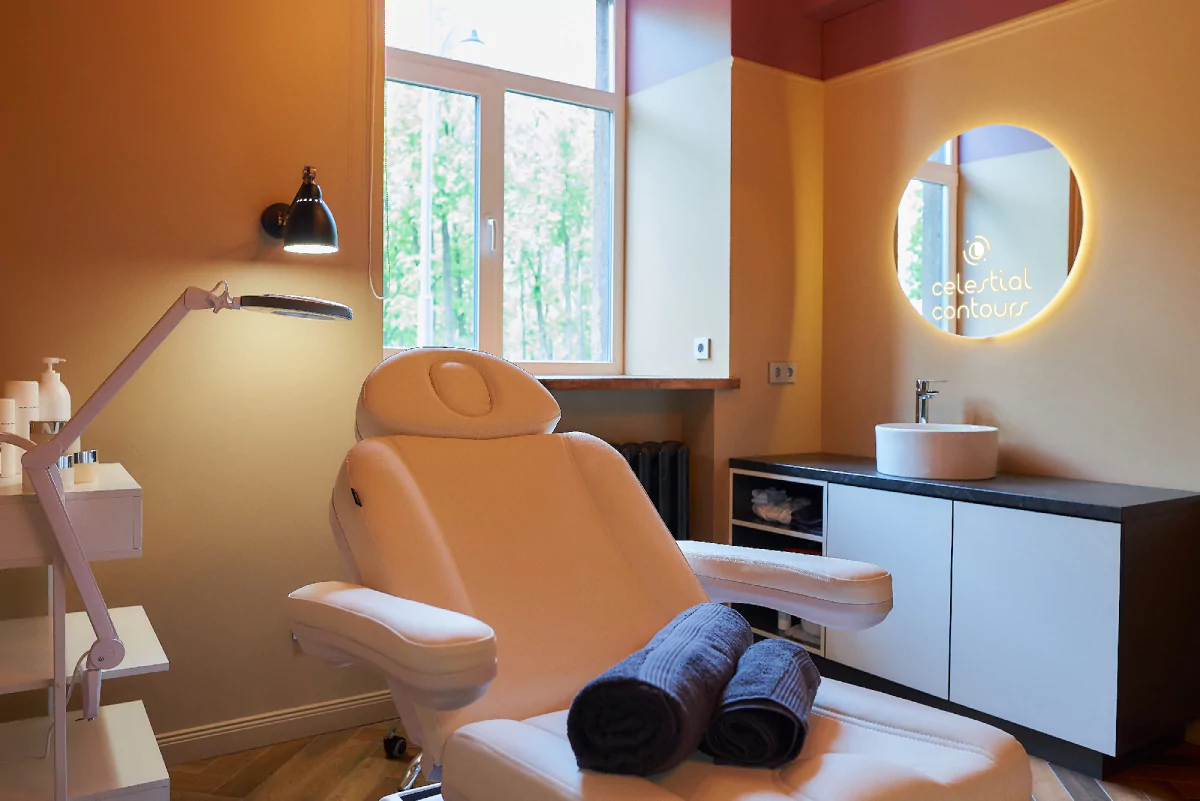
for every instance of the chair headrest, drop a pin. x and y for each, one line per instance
(454, 393)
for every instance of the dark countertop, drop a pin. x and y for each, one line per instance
(1094, 500)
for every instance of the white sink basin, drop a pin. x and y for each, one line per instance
(935, 450)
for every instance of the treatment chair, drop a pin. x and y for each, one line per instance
(499, 567)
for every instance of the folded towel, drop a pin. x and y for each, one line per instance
(648, 712)
(762, 717)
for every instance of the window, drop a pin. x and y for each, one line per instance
(503, 171)
(926, 232)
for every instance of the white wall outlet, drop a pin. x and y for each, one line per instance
(702, 350)
(781, 373)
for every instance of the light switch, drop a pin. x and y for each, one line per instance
(702, 350)
(781, 373)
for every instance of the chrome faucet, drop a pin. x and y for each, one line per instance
(924, 393)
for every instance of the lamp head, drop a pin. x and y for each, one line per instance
(305, 226)
(295, 306)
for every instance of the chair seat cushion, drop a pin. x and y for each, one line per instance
(862, 746)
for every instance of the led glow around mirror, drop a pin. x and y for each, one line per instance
(987, 231)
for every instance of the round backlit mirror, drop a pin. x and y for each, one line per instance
(987, 231)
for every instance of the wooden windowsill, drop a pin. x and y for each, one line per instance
(592, 382)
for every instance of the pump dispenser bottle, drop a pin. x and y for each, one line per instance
(54, 401)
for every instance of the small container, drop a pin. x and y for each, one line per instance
(66, 470)
(784, 622)
(85, 467)
(25, 393)
(10, 455)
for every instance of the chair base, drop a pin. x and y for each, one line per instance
(430, 792)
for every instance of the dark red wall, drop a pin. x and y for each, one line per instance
(668, 38)
(890, 28)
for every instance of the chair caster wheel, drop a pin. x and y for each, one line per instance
(394, 746)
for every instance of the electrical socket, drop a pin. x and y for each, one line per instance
(781, 372)
(702, 349)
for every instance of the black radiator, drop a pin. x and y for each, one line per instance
(662, 469)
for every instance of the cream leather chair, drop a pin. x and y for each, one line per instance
(499, 567)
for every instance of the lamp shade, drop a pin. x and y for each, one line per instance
(310, 227)
(306, 225)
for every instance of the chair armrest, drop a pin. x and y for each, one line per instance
(442, 659)
(831, 592)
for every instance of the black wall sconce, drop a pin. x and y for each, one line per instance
(305, 226)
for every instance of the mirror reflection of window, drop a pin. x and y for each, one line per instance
(926, 232)
(1015, 189)
(987, 231)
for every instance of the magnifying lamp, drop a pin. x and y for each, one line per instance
(40, 462)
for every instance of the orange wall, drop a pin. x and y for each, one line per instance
(775, 272)
(141, 141)
(1102, 385)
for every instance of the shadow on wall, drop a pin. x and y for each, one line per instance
(870, 283)
(624, 415)
(775, 272)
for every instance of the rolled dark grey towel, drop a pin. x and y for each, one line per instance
(648, 712)
(762, 718)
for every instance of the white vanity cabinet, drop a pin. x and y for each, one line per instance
(1036, 617)
(1062, 611)
(909, 536)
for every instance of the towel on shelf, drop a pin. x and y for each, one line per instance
(648, 713)
(775, 505)
(762, 718)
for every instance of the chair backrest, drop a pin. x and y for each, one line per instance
(459, 496)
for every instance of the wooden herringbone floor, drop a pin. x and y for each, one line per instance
(1174, 776)
(349, 766)
(340, 766)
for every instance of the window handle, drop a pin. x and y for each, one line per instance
(491, 228)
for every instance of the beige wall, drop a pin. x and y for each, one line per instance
(1103, 385)
(677, 230)
(141, 141)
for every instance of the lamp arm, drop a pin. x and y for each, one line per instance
(192, 299)
(41, 463)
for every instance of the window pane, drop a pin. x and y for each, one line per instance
(563, 40)
(557, 231)
(942, 154)
(921, 235)
(429, 206)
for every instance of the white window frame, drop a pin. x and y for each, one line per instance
(490, 85)
(947, 175)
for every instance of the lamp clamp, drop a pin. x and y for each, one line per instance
(274, 217)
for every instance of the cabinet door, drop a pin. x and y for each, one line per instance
(1034, 638)
(909, 536)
